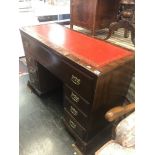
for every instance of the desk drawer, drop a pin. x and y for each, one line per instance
(74, 125)
(79, 81)
(77, 100)
(76, 113)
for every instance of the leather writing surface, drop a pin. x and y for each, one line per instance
(94, 52)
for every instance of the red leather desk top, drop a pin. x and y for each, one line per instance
(93, 51)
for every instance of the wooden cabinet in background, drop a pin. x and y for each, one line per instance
(93, 14)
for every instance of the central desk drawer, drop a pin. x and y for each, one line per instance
(82, 83)
(74, 98)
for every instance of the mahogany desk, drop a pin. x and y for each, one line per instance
(95, 76)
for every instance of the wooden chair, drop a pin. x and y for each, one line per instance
(123, 142)
(116, 113)
(126, 20)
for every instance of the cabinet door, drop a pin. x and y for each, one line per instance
(82, 12)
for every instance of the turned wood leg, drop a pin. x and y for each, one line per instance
(111, 31)
(71, 26)
(93, 32)
(112, 28)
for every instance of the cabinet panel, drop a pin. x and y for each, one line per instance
(106, 13)
(81, 13)
(93, 14)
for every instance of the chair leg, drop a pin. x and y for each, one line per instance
(112, 28)
(126, 33)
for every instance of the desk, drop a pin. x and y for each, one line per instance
(95, 76)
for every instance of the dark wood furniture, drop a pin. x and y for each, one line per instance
(93, 14)
(126, 20)
(91, 72)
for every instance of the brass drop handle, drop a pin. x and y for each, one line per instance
(74, 97)
(73, 111)
(75, 80)
(72, 124)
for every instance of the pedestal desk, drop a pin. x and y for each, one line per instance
(95, 76)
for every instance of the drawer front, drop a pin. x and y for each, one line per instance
(76, 113)
(74, 125)
(79, 81)
(77, 100)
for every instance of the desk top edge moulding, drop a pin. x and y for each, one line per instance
(95, 76)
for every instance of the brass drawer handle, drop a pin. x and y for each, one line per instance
(75, 80)
(72, 124)
(73, 111)
(75, 97)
